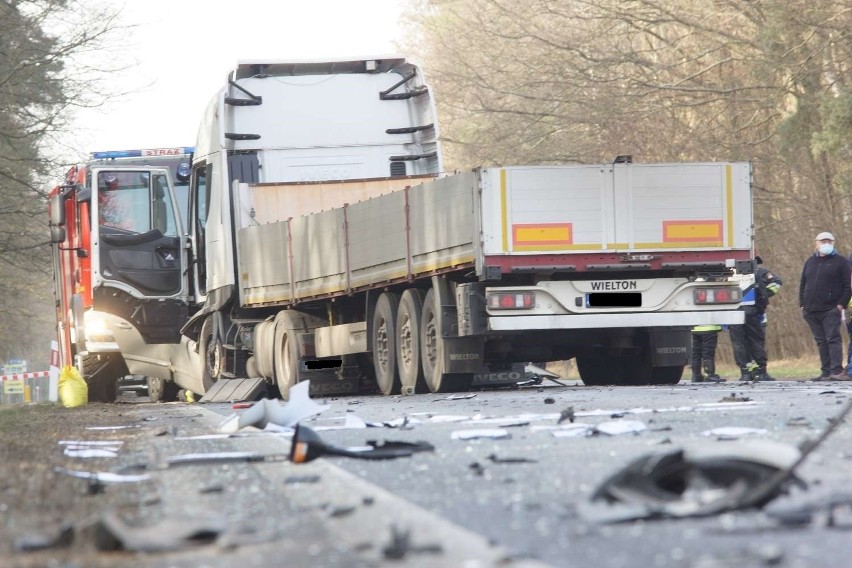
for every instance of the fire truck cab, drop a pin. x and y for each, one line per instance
(119, 252)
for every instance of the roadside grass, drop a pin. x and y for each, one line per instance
(792, 369)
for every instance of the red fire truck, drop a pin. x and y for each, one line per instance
(116, 225)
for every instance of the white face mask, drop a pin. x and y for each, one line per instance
(826, 248)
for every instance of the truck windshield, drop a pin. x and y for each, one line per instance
(135, 203)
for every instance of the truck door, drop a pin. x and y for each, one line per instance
(138, 256)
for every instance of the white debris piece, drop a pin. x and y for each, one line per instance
(618, 427)
(267, 411)
(492, 433)
(733, 432)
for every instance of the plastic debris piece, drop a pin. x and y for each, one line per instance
(733, 432)
(619, 427)
(491, 433)
(798, 421)
(497, 459)
(698, 482)
(104, 476)
(577, 430)
(267, 411)
(222, 457)
(351, 422)
(461, 396)
(84, 452)
(308, 446)
(297, 479)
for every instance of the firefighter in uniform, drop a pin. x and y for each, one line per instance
(749, 339)
(704, 341)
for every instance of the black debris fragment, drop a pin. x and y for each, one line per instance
(400, 545)
(496, 459)
(567, 414)
(217, 488)
(477, 468)
(294, 479)
(549, 400)
(735, 398)
(307, 446)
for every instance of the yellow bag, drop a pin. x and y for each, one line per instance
(73, 390)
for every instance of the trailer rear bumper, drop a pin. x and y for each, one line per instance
(620, 320)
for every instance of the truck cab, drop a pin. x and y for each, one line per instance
(119, 262)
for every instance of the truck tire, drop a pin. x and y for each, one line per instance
(161, 390)
(99, 371)
(285, 355)
(666, 375)
(408, 324)
(432, 351)
(212, 354)
(383, 339)
(600, 370)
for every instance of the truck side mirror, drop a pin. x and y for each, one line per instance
(56, 205)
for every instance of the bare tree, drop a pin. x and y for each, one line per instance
(41, 83)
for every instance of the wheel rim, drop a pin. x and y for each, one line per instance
(406, 345)
(381, 346)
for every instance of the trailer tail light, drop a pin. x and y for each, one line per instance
(716, 295)
(510, 300)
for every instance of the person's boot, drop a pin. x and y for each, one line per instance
(745, 375)
(710, 369)
(697, 377)
(762, 375)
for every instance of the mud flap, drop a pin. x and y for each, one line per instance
(669, 347)
(235, 390)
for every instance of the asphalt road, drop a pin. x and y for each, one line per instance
(539, 510)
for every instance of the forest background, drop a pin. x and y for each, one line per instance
(535, 82)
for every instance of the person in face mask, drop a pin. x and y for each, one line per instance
(824, 291)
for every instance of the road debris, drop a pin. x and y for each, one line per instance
(709, 480)
(567, 414)
(308, 446)
(461, 396)
(267, 411)
(103, 476)
(497, 459)
(400, 545)
(733, 432)
(696, 482)
(491, 433)
(734, 397)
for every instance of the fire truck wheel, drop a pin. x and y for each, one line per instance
(408, 323)
(160, 390)
(383, 343)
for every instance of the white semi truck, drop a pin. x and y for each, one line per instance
(326, 243)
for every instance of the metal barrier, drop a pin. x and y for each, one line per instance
(25, 387)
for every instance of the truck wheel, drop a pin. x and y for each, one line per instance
(212, 354)
(432, 350)
(666, 375)
(99, 373)
(161, 390)
(408, 323)
(383, 343)
(597, 370)
(285, 354)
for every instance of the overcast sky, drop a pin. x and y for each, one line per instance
(185, 49)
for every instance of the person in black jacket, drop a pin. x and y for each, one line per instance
(749, 339)
(824, 292)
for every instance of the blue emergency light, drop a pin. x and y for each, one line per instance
(142, 153)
